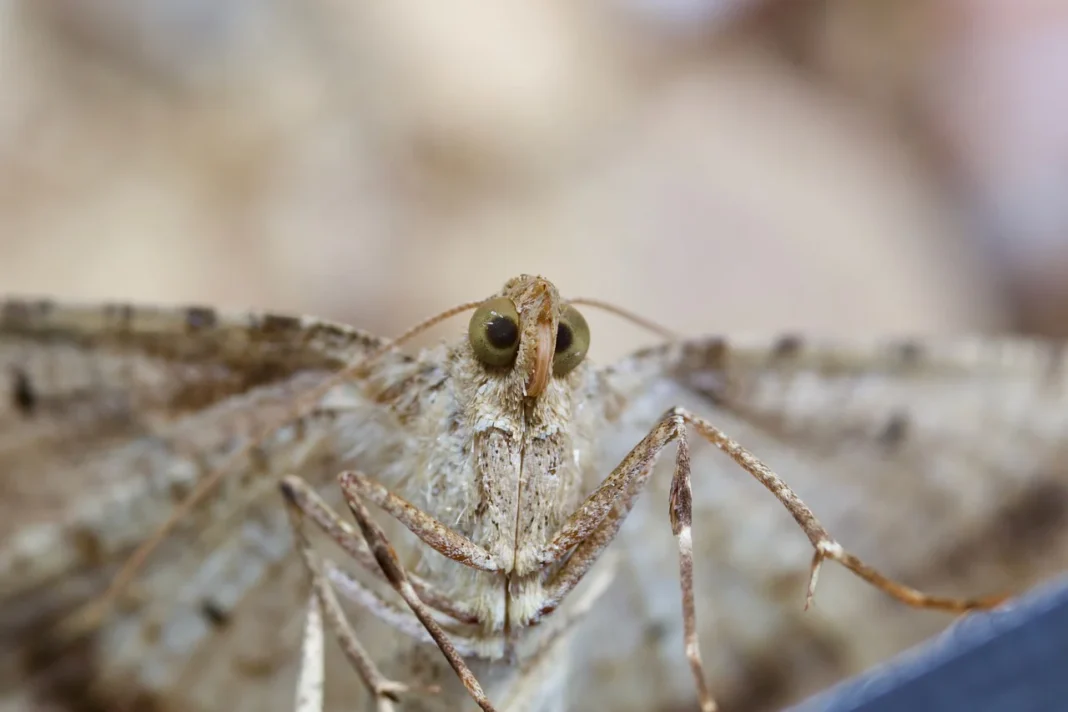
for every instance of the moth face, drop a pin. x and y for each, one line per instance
(528, 333)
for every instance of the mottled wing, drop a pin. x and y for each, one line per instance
(109, 416)
(941, 463)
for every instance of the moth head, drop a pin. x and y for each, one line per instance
(529, 329)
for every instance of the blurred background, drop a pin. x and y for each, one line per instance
(829, 166)
(833, 166)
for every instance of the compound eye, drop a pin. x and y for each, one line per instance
(572, 341)
(494, 332)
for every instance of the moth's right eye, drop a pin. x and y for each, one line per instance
(494, 332)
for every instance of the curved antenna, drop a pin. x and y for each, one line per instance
(628, 315)
(354, 369)
(88, 617)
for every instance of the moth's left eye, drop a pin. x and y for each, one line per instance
(494, 332)
(572, 341)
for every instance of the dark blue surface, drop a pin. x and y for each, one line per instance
(1014, 659)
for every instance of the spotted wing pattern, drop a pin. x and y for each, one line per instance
(943, 463)
(108, 418)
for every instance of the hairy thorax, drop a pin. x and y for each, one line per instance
(509, 487)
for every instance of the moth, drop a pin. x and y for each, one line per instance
(497, 483)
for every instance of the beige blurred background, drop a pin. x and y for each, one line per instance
(717, 165)
(845, 165)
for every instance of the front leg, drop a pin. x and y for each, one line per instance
(352, 543)
(398, 578)
(356, 487)
(306, 503)
(593, 526)
(303, 501)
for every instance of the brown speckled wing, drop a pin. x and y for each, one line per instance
(108, 417)
(942, 462)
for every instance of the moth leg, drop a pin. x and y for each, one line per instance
(623, 484)
(403, 621)
(824, 544)
(312, 666)
(681, 512)
(352, 542)
(398, 578)
(386, 691)
(299, 495)
(597, 521)
(451, 544)
(589, 551)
